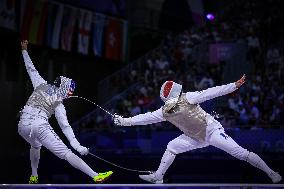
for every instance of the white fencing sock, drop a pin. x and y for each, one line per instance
(166, 161)
(34, 157)
(257, 162)
(78, 163)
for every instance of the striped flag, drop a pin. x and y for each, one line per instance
(34, 15)
(68, 26)
(98, 33)
(85, 21)
(54, 22)
(38, 22)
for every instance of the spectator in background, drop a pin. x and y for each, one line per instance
(253, 47)
(273, 56)
(205, 82)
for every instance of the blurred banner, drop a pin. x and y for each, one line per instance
(220, 52)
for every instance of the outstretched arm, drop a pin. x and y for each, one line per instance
(141, 119)
(60, 114)
(33, 73)
(201, 96)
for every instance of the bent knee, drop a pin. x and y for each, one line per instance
(62, 154)
(173, 147)
(37, 148)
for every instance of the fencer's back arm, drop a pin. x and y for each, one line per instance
(61, 117)
(148, 118)
(33, 73)
(210, 93)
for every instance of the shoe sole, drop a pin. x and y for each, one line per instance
(158, 182)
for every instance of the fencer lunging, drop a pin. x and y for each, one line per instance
(46, 100)
(199, 128)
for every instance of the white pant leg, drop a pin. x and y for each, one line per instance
(34, 158)
(49, 139)
(25, 130)
(28, 127)
(38, 132)
(224, 142)
(78, 163)
(184, 143)
(218, 138)
(178, 145)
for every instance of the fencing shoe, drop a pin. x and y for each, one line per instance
(275, 177)
(101, 177)
(152, 178)
(33, 180)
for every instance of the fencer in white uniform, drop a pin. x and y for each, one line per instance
(199, 128)
(33, 126)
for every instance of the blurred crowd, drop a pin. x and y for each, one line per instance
(259, 104)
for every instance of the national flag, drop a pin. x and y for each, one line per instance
(99, 21)
(33, 20)
(39, 16)
(114, 39)
(85, 21)
(54, 22)
(68, 26)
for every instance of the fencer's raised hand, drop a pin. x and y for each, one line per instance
(77, 146)
(241, 81)
(120, 121)
(24, 44)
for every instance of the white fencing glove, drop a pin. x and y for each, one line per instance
(77, 146)
(120, 121)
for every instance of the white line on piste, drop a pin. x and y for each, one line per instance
(145, 185)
